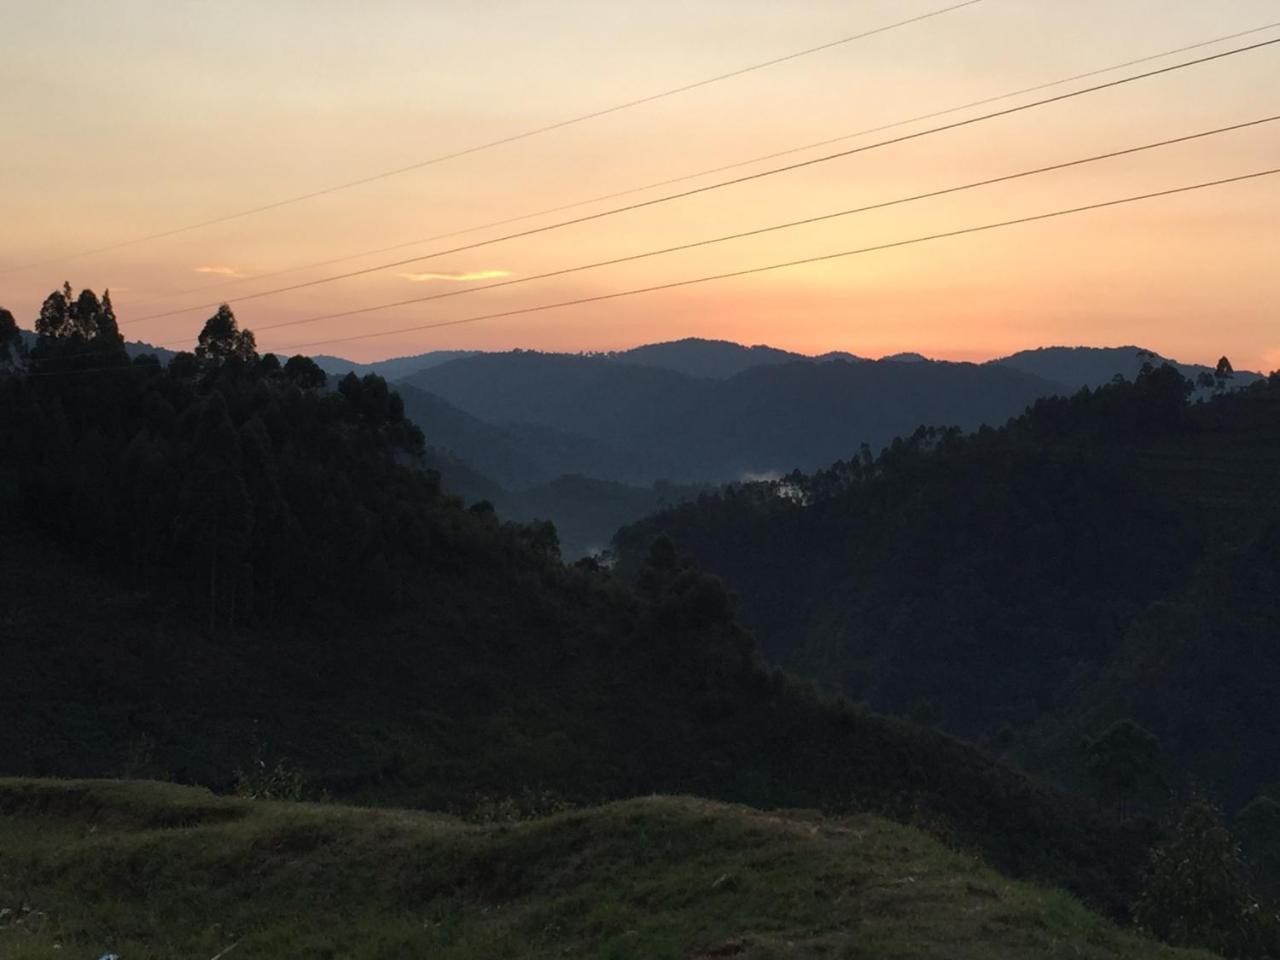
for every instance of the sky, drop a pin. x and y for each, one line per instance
(126, 118)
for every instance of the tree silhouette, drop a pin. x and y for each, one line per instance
(1259, 827)
(56, 321)
(12, 350)
(81, 331)
(1223, 374)
(305, 373)
(107, 329)
(222, 342)
(215, 512)
(1197, 893)
(1124, 763)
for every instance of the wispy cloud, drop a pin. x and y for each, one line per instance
(458, 277)
(220, 271)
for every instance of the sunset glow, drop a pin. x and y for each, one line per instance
(175, 114)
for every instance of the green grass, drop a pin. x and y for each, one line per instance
(151, 870)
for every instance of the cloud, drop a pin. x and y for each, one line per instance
(220, 271)
(462, 277)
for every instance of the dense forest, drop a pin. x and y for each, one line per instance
(232, 571)
(1109, 556)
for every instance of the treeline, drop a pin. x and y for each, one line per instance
(244, 486)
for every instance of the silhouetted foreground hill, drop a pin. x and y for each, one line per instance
(1111, 555)
(155, 871)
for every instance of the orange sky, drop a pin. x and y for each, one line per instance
(153, 115)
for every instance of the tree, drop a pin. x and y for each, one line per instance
(222, 342)
(1222, 375)
(305, 373)
(83, 328)
(268, 365)
(1197, 891)
(55, 320)
(1259, 827)
(215, 510)
(108, 330)
(12, 350)
(1124, 762)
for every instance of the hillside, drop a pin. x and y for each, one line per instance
(152, 870)
(1106, 556)
(765, 420)
(496, 681)
(530, 472)
(588, 512)
(1097, 366)
(516, 455)
(712, 359)
(393, 368)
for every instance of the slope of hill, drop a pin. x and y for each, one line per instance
(497, 680)
(515, 455)
(393, 368)
(151, 870)
(1097, 366)
(769, 418)
(1114, 554)
(712, 359)
(588, 512)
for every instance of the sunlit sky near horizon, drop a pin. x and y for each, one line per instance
(124, 118)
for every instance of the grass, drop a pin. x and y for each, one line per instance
(151, 870)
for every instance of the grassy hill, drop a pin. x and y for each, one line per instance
(152, 870)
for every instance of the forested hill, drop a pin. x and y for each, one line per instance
(221, 566)
(1107, 556)
(1097, 366)
(768, 418)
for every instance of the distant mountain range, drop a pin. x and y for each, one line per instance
(392, 369)
(714, 359)
(769, 418)
(1095, 366)
(684, 414)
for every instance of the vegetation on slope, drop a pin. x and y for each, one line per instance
(220, 558)
(156, 871)
(765, 419)
(1107, 555)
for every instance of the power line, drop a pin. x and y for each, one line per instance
(789, 263)
(963, 231)
(723, 183)
(773, 227)
(722, 168)
(524, 135)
